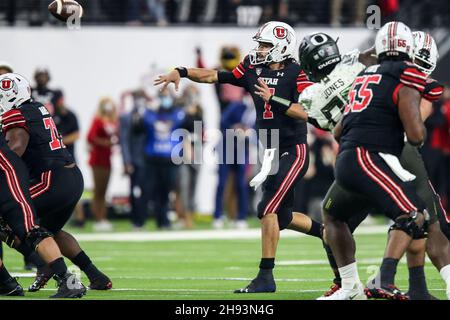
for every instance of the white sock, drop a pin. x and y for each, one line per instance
(349, 275)
(445, 274)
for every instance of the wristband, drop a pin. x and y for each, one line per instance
(281, 103)
(182, 71)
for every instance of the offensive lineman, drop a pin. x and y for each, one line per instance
(31, 133)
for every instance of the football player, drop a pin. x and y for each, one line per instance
(32, 134)
(384, 105)
(324, 103)
(272, 61)
(5, 67)
(18, 211)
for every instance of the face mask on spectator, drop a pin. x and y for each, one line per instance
(140, 103)
(166, 102)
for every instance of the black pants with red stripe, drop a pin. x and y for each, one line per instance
(16, 206)
(56, 195)
(279, 188)
(367, 175)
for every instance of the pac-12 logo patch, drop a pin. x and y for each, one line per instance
(280, 32)
(6, 84)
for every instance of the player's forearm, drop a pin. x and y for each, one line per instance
(202, 75)
(426, 109)
(296, 111)
(409, 112)
(293, 110)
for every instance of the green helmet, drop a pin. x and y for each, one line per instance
(318, 55)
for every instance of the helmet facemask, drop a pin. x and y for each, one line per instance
(254, 55)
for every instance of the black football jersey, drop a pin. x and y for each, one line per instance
(371, 118)
(286, 83)
(45, 150)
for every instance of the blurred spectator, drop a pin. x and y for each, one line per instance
(238, 117)
(42, 93)
(67, 124)
(132, 142)
(192, 155)
(230, 57)
(101, 137)
(357, 7)
(161, 172)
(5, 67)
(157, 9)
(389, 9)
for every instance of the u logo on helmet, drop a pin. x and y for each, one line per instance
(6, 84)
(280, 32)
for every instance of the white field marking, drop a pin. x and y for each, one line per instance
(209, 290)
(217, 278)
(203, 235)
(376, 261)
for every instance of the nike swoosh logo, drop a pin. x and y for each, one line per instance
(353, 297)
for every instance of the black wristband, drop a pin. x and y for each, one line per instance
(182, 71)
(280, 103)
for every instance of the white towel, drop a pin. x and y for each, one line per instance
(269, 155)
(394, 163)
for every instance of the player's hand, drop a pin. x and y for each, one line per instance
(263, 90)
(171, 77)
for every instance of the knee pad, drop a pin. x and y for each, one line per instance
(409, 225)
(36, 235)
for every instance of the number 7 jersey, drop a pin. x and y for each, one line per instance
(45, 150)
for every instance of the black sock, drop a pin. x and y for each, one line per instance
(387, 271)
(1, 250)
(337, 277)
(83, 262)
(24, 249)
(37, 260)
(58, 267)
(31, 255)
(266, 266)
(417, 284)
(4, 274)
(316, 229)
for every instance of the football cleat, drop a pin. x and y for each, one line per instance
(390, 292)
(335, 287)
(40, 281)
(69, 287)
(11, 288)
(101, 283)
(356, 293)
(259, 285)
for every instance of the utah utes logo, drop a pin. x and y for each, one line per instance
(280, 32)
(6, 84)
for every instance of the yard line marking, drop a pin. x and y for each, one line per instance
(209, 290)
(202, 235)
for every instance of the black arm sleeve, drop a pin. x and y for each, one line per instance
(228, 77)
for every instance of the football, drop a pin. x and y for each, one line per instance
(64, 9)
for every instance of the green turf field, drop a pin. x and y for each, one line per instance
(211, 269)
